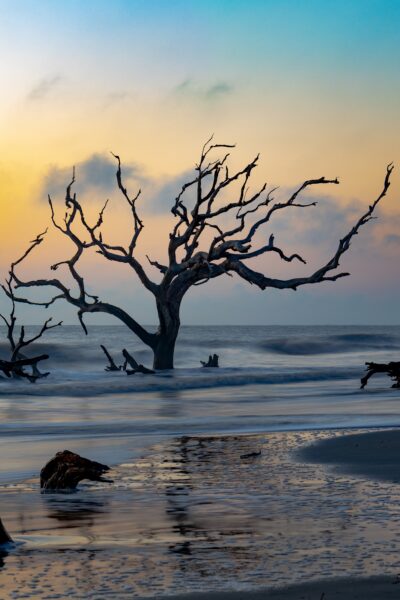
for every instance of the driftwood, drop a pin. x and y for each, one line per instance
(112, 366)
(15, 368)
(4, 537)
(136, 368)
(251, 454)
(392, 369)
(66, 469)
(212, 361)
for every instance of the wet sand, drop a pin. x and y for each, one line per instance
(374, 588)
(191, 514)
(375, 454)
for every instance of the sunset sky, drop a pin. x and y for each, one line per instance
(313, 86)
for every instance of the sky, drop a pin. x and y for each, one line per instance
(312, 86)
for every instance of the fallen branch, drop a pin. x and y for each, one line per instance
(112, 366)
(392, 369)
(136, 368)
(212, 361)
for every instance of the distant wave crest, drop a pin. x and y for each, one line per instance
(351, 342)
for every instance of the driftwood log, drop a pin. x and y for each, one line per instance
(66, 469)
(212, 361)
(136, 368)
(4, 537)
(392, 369)
(15, 368)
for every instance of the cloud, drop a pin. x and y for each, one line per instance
(320, 224)
(43, 88)
(218, 89)
(207, 93)
(95, 174)
(392, 238)
(116, 98)
(162, 193)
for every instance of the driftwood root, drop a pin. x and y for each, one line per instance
(128, 360)
(212, 361)
(66, 469)
(392, 369)
(15, 368)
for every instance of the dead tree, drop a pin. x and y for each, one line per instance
(4, 537)
(66, 469)
(201, 245)
(392, 369)
(212, 361)
(15, 366)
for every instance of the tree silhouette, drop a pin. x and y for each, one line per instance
(18, 342)
(200, 248)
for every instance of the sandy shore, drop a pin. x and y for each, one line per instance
(374, 454)
(374, 588)
(198, 513)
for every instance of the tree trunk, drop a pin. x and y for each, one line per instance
(164, 347)
(164, 351)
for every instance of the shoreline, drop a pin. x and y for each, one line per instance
(372, 454)
(128, 444)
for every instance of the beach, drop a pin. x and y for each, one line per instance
(207, 513)
(276, 477)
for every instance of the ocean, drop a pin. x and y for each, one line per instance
(271, 378)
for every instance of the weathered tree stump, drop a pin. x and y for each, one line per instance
(66, 469)
(392, 369)
(212, 361)
(136, 368)
(4, 537)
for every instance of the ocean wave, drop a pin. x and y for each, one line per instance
(85, 384)
(352, 342)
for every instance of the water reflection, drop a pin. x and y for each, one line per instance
(205, 525)
(76, 513)
(171, 404)
(3, 555)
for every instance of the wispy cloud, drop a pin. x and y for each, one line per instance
(207, 93)
(114, 98)
(43, 88)
(95, 174)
